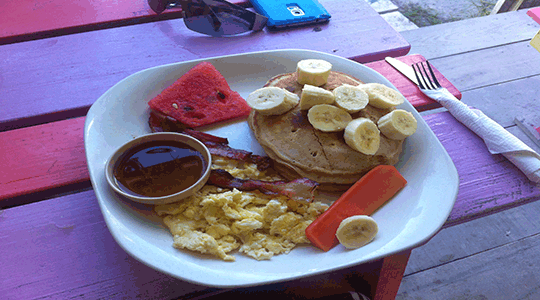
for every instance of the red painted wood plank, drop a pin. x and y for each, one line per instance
(535, 14)
(57, 78)
(42, 157)
(488, 183)
(410, 90)
(61, 248)
(27, 20)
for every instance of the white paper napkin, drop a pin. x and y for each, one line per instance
(498, 140)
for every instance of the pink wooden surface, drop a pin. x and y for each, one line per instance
(535, 14)
(27, 20)
(488, 183)
(63, 76)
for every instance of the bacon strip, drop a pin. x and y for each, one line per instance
(205, 137)
(217, 145)
(161, 123)
(299, 189)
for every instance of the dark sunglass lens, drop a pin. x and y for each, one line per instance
(158, 5)
(217, 18)
(199, 17)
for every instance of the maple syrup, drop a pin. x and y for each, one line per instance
(159, 168)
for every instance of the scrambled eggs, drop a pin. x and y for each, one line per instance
(217, 221)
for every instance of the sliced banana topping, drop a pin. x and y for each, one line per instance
(382, 96)
(313, 71)
(272, 100)
(350, 98)
(363, 135)
(357, 231)
(328, 118)
(398, 124)
(313, 95)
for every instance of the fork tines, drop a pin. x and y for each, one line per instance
(426, 80)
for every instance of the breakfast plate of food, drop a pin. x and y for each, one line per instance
(317, 163)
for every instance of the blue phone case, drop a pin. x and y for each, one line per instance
(290, 13)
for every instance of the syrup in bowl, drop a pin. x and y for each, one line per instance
(157, 169)
(163, 166)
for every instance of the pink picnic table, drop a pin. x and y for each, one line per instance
(55, 242)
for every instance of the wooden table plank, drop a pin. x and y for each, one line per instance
(28, 20)
(516, 96)
(455, 38)
(42, 157)
(64, 75)
(476, 70)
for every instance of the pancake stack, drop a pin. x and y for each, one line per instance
(299, 150)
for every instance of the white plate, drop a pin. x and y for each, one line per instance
(415, 214)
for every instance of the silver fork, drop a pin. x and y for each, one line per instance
(430, 86)
(426, 81)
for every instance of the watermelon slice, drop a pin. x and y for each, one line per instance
(200, 97)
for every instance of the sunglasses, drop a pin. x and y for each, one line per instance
(214, 17)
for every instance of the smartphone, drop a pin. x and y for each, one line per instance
(291, 13)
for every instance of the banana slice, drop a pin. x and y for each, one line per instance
(357, 231)
(312, 95)
(363, 135)
(313, 71)
(382, 96)
(328, 118)
(351, 98)
(397, 125)
(272, 100)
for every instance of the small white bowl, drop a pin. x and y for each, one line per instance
(153, 137)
